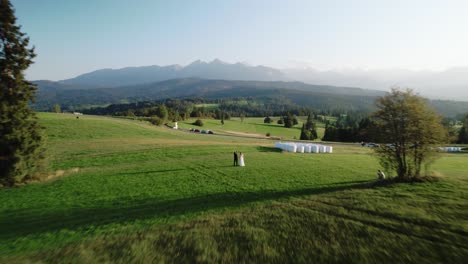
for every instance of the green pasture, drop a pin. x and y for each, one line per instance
(133, 192)
(252, 126)
(208, 106)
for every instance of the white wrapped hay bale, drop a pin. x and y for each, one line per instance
(300, 149)
(322, 149)
(315, 149)
(293, 148)
(453, 149)
(303, 147)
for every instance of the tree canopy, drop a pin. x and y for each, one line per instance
(411, 129)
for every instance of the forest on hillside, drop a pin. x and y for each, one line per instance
(320, 97)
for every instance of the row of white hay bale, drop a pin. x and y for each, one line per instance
(451, 149)
(303, 147)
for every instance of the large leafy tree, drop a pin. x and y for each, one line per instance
(411, 128)
(20, 133)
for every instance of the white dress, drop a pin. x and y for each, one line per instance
(241, 161)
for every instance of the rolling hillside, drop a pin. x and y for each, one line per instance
(299, 93)
(124, 191)
(313, 96)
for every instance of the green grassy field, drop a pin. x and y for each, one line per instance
(252, 126)
(151, 194)
(208, 106)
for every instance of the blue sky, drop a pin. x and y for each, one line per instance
(74, 37)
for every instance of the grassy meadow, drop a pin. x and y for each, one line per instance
(133, 192)
(253, 126)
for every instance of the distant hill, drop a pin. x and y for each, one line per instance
(198, 69)
(315, 96)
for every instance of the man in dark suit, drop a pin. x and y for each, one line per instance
(236, 160)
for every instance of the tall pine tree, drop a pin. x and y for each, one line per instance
(21, 149)
(308, 130)
(463, 133)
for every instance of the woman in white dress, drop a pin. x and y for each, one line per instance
(241, 160)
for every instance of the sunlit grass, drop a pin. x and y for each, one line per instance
(146, 194)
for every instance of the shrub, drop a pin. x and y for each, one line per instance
(294, 120)
(156, 121)
(268, 134)
(267, 120)
(198, 122)
(280, 121)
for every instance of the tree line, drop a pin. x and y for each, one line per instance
(182, 109)
(364, 128)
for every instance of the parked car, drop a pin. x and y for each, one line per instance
(203, 131)
(372, 145)
(196, 130)
(210, 132)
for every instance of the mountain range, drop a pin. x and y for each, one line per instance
(219, 79)
(448, 84)
(217, 70)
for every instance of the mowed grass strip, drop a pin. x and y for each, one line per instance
(185, 202)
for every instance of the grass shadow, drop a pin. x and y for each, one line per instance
(278, 126)
(22, 223)
(268, 149)
(147, 172)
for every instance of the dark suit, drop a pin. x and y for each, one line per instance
(236, 160)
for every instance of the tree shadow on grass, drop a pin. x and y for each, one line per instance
(148, 172)
(278, 126)
(268, 149)
(20, 223)
(356, 184)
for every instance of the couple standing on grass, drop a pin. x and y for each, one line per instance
(239, 159)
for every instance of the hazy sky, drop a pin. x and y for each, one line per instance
(73, 37)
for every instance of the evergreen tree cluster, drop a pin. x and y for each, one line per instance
(463, 133)
(356, 127)
(309, 130)
(289, 120)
